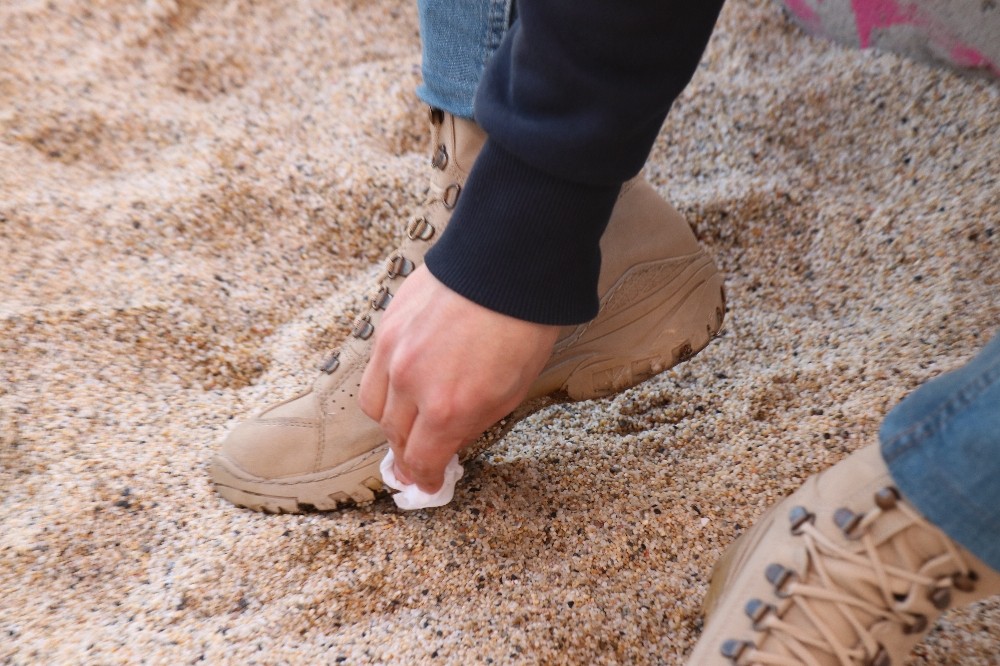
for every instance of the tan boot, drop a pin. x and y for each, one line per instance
(842, 572)
(661, 302)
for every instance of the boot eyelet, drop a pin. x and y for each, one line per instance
(798, 517)
(398, 265)
(940, 597)
(886, 498)
(450, 196)
(363, 328)
(779, 576)
(733, 649)
(440, 159)
(847, 521)
(757, 610)
(420, 229)
(917, 626)
(965, 582)
(331, 363)
(381, 300)
(880, 658)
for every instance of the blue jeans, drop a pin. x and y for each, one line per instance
(942, 446)
(458, 38)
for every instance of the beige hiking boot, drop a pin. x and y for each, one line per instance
(842, 572)
(661, 302)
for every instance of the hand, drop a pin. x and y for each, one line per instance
(444, 369)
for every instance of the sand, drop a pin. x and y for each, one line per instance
(192, 196)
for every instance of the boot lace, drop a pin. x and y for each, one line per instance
(418, 230)
(807, 592)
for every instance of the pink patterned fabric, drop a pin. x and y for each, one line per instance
(964, 34)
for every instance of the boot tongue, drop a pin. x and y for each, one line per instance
(793, 609)
(468, 140)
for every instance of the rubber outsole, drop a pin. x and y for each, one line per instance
(304, 493)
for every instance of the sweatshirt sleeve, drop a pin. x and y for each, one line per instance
(572, 102)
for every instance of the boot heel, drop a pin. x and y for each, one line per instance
(703, 317)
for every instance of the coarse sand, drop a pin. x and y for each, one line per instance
(192, 196)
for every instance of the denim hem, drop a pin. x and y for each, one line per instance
(458, 39)
(941, 445)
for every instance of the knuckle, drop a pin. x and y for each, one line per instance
(471, 403)
(368, 402)
(439, 412)
(365, 404)
(405, 372)
(419, 468)
(423, 472)
(392, 434)
(388, 332)
(381, 338)
(402, 379)
(364, 390)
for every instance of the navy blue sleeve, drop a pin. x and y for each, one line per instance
(572, 103)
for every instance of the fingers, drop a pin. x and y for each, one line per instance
(375, 384)
(428, 451)
(442, 369)
(397, 421)
(381, 400)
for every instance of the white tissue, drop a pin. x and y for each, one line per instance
(410, 497)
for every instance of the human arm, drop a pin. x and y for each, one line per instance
(572, 106)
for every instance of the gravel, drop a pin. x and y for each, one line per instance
(191, 198)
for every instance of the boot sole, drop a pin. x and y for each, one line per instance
(307, 492)
(690, 308)
(696, 307)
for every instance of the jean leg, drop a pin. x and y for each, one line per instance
(942, 446)
(458, 38)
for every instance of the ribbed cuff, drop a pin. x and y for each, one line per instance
(524, 243)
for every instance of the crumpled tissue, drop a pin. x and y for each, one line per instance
(410, 497)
